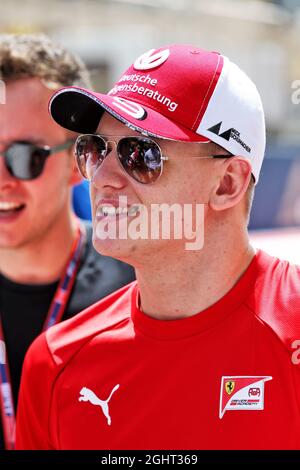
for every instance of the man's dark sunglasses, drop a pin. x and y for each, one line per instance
(26, 160)
(140, 157)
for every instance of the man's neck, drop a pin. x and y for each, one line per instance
(42, 260)
(182, 286)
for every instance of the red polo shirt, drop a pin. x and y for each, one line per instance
(226, 378)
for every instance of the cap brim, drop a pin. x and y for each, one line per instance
(80, 111)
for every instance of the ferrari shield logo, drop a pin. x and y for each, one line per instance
(229, 386)
(244, 392)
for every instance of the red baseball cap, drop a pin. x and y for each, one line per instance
(176, 92)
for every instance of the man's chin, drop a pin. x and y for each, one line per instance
(119, 249)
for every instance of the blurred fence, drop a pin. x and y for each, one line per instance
(277, 196)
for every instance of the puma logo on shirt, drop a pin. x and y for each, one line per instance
(89, 395)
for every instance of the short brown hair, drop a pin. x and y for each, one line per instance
(249, 197)
(35, 55)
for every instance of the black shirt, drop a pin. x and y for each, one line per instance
(23, 308)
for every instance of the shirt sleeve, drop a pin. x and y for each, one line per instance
(38, 375)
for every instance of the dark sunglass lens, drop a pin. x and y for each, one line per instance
(90, 153)
(141, 158)
(26, 161)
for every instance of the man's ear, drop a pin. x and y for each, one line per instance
(75, 176)
(232, 185)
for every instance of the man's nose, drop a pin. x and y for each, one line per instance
(6, 179)
(110, 172)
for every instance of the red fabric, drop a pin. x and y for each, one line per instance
(174, 95)
(169, 372)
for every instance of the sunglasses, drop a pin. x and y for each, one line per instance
(140, 157)
(26, 160)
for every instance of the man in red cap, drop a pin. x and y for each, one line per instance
(203, 351)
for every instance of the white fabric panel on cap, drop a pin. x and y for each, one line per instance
(235, 110)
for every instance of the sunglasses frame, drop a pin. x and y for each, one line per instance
(46, 149)
(163, 157)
